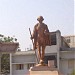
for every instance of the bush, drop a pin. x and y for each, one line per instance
(73, 72)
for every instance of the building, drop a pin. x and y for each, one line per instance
(59, 52)
(70, 40)
(7, 48)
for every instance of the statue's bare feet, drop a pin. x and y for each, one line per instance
(41, 62)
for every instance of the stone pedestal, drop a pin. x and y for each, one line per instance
(43, 70)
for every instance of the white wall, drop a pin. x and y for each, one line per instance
(19, 72)
(51, 49)
(65, 57)
(67, 54)
(23, 58)
(64, 67)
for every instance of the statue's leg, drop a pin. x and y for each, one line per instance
(39, 52)
(43, 52)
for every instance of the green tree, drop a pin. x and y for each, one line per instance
(73, 72)
(5, 59)
(7, 39)
(5, 63)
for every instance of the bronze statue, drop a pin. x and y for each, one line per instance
(41, 38)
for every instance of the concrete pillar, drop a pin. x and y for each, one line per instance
(10, 63)
(0, 63)
(58, 37)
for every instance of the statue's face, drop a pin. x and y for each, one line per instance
(40, 21)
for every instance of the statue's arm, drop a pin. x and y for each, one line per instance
(34, 32)
(46, 29)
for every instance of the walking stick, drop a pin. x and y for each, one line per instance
(33, 46)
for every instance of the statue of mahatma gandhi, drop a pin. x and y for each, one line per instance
(41, 38)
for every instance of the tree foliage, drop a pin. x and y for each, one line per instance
(5, 63)
(7, 39)
(73, 72)
(5, 59)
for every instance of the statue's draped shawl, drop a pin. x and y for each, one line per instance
(46, 37)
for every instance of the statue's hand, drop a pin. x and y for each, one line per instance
(46, 33)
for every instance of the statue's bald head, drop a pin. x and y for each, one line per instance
(40, 18)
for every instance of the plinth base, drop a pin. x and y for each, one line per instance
(43, 70)
(44, 73)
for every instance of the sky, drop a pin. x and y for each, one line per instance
(17, 16)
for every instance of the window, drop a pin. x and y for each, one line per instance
(19, 66)
(68, 40)
(70, 63)
(53, 39)
(30, 65)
